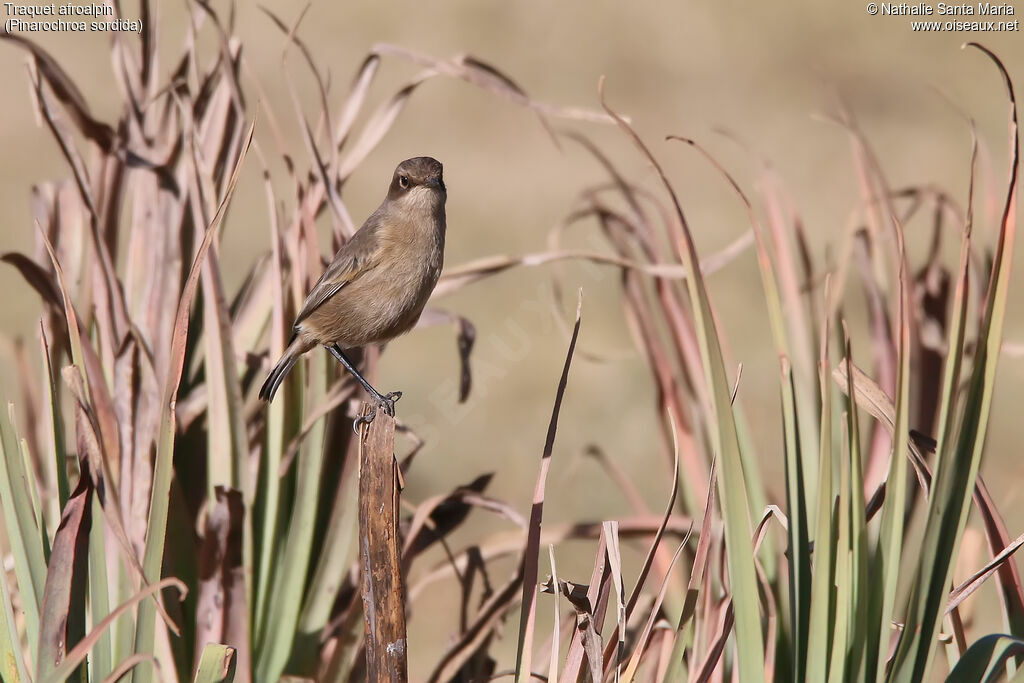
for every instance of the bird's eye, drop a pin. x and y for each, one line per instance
(403, 182)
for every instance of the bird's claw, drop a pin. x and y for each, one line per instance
(387, 402)
(364, 419)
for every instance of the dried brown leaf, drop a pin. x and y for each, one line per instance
(458, 277)
(531, 553)
(221, 608)
(652, 552)
(965, 589)
(376, 127)
(589, 602)
(489, 78)
(78, 654)
(62, 617)
(67, 92)
(438, 516)
(36, 276)
(465, 337)
(644, 638)
(492, 613)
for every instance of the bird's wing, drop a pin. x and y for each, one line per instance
(355, 258)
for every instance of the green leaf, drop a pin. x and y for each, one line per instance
(81, 650)
(858, 549)
(985, 660)
(957, 469)
(267, 508)
(819, 641)
(156, 527)
(23, 532)
(289, 582)
(843, 589)
(12, 668)
(101, 656)
(335, 557)
(56, 425)
(725, 441)
(216, 665)
(886, 560)
(799, 546)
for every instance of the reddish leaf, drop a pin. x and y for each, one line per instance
(62, 622)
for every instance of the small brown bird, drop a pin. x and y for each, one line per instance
(379, 281)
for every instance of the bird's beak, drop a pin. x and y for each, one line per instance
(436, 183)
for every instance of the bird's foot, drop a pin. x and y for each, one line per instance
(387, 402)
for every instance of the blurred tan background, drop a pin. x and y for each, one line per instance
(763, 71)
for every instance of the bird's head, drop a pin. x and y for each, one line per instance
(419, 182)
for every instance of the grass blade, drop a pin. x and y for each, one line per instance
(556, 636)
(611, 532)
(156, 526)
(725, 441)
(886, 559)
(57, 425)
(221, 608)
(289, 584)
(101, 657)
(63, 609)
(487, 622)
(964, 590)
(336, 554)
(642, 641)
(23, 533)
(634, 595)
(129, 663)
(80, 651)
(270, 482)
(216, 665)
(685, 628)
(958, 464)
(819, 641)
(858, 548)
(12, 666)
(799, 546)
(986, 658)
(524, 652)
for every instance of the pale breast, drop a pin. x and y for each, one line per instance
(387, 300)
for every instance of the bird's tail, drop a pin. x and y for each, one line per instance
(291, 356)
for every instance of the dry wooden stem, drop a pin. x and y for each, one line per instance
(380, 551)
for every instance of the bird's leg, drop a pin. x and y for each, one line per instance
(387, 401)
